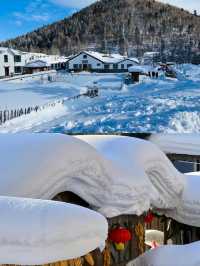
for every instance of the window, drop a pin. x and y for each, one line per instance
(17, 58)
(115, 66)
(80, 66)
(122, 66)
(129, 65)
(6, 58)
(98, 64)
(18, 70)
(84, 62)
(75, 66)
(106, 66)
(84, 56)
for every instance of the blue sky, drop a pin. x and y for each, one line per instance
(21, 16)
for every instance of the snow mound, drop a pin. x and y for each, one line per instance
(184, 122)
(143, 163)
(186, 255)
(36, 232)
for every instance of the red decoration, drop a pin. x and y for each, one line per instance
(119, 236)
(149, 218)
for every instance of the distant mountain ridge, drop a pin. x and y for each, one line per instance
(126, 26)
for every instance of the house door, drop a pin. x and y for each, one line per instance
(85, 67)
(7, 71)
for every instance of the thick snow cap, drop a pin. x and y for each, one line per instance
(145, 165)
(35, 232)
(184, 255)
(139, 69)
(115, 175)
(178, 143)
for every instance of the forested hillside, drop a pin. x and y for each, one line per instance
(127, 26)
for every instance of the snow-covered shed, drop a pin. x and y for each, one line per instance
(36, 66)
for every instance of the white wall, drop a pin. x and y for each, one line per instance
(95, 64)
(126, 64)
(3, 64)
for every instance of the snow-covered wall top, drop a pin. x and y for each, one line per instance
(178, 143)
(35, 232)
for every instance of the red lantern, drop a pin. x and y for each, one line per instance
(149, 218)
(120, 236)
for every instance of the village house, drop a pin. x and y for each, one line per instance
(11, 62)
(45, 63)
(14, 62)
(98, 62)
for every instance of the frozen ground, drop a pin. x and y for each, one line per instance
(163, 105)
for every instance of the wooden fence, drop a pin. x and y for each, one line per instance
(7, 115)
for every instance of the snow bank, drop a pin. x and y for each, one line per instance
(185, 255)
(178, 143)
(35, 232)
(142, 162)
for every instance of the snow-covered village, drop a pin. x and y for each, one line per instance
(100, 133)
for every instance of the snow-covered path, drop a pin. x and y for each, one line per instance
(162, 105)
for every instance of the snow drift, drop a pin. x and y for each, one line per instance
(36, 232)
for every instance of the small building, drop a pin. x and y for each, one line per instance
(150, 58)
(11, 62)
(135, 72)
(99, 62)
(36, 66)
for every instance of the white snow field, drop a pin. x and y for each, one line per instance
(37, 232)
(115, 175)
(170, 255)
(153, 105)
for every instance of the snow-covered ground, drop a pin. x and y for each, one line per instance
(162, 105)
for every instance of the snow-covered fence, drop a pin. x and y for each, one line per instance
(6, 115)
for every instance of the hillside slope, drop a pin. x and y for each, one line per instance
(132, 26)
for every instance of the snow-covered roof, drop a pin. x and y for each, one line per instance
(37, 232)
(154, 177)
(150, 54)
(107, 58)
(188, 144)
(114, 174)
(170, 255)
(140, 69)
(10, 50)
(37, 64)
